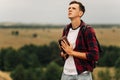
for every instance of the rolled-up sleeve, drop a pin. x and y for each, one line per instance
(92, 53)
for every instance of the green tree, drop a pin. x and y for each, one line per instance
(28, 60)
(55, 53)
(44, 55)
(34, 35)
(16, 33)
(117, 63)
(1, 60)
(53, 72)
(18, 73)
(109, 57)
(31, 75)
(10, 59)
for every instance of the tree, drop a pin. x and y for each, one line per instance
(1, 60)
(16, 33)
(31, 75)
(18, 73)
(117, 63)
(55, 53)
(34, 35)
(28, 60)
(10, 59)
(111, 54)
(53, 72)
(44, 55)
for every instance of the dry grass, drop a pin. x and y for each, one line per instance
(98, 69)
(44, 36)
(4, 76)
(107, 36)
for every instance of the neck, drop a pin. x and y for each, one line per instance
(75, 23)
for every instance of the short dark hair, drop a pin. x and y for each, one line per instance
(81, 6)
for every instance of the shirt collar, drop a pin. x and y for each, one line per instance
(82, 24)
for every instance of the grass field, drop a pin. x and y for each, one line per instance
(106, 36)
(109, 36)
(44, 36)
(103, 69)
(5, 75)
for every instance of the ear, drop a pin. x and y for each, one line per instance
(80, 13)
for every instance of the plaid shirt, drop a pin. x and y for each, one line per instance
(91, 49)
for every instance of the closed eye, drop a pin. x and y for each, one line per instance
(71, 8)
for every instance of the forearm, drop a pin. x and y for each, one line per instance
(81, 55)
(69, 50)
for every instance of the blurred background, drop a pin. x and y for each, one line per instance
(30, 29)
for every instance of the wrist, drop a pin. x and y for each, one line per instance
(72, 53)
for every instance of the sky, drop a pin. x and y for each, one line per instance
(55, 11)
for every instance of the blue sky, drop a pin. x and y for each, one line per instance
(55, 11)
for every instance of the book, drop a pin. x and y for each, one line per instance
(60, 40)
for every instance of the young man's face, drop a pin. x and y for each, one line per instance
(74, 11)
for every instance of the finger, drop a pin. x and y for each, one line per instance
(64, 56)
(65, 42)
(63, 47)
(62, 53)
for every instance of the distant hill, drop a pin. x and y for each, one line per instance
(30, 25)
(38, 25)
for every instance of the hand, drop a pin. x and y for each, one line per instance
(65, 56)
(67, 48)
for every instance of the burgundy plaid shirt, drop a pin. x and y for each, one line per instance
(91, 49)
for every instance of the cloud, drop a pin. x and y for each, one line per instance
(55, 11)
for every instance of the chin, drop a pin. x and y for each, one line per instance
(70, 17)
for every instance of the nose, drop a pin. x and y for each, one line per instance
(70, 9)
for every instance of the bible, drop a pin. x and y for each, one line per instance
(60, 40)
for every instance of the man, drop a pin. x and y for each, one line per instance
(82, 53)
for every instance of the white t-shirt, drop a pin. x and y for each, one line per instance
(69, 66)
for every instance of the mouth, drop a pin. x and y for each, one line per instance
(69, 13)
